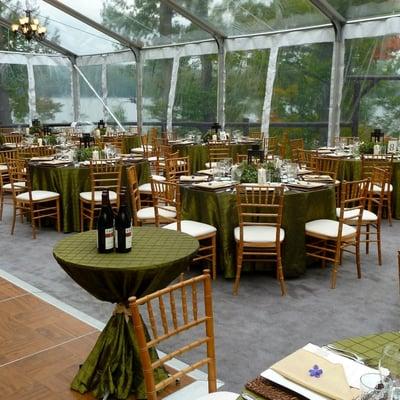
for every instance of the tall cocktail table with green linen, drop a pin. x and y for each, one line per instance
(158, 256)
(219, 209)
(69, 182)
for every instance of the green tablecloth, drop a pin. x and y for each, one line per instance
(157, 257)
(129, 142)
(220, 211)
(69, 182)
(198, 153)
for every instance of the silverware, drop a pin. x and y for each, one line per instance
(246, 396)
(345, 353)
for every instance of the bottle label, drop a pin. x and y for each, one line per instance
(128, 238)
(109, 242)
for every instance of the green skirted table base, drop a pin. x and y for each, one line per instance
(69, 182)
(221, 212)
(158, 256)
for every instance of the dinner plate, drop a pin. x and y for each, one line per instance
(193, 178)
(213, 185)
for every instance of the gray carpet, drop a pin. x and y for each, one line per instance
(257, 327)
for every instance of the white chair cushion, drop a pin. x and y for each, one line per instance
(97, 196)
(155, 158)
(149, 213)
(211, 164)
(149, 147)
(192, 228)
(259, 234)
(366, 216)
(388, 188)
(3, 168)
(158, 178)
(8, 186)
(219, 396)
(145, 188)
(328, 228)
(38, 195)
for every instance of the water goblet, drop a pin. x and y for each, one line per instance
(389, 368)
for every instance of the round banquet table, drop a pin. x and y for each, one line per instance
(221, 212)
(69, 182)
(158, 256)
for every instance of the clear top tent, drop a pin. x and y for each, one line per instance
(313, 68)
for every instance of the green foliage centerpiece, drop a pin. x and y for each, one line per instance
(250, 172)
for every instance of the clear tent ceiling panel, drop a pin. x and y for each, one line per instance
(241, 17)
(150, 22)
(360, 9)
(63, 29)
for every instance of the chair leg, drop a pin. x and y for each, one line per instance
(389, 208)
(239, 261)
(378, 244)
(1, 204)
(281, 276)
(358, 259)
(367, 239)
(334, 273)
(58, 215)
(33, 224)
(14, 218)
(91, 220)
(214, 256)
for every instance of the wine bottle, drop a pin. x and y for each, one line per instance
(105, 226)
(123, 227)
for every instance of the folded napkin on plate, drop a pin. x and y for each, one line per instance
(317, 178)
(213, 185)
(193, 178)
(42, 158)
(332, 382)
(55, 162)
(206, 171)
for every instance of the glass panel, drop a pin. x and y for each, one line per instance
(156, 86)
(121, 89)
(371, 87)
(196, 91)
(91, 109)
(63, 29)
(152, 22)
(14, 106)
(255, 16)
(246, 72)
(355, 9)
(53, 93)
(302, 88)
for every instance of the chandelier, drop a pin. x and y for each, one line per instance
(29, 27)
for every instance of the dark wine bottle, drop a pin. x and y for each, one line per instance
(105, 225)
(123, 227)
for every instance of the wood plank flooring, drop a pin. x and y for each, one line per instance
(41, 348)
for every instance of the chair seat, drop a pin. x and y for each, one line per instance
(219, 396)
(328, 228)
(87, 196)
(3, 168)
(149, 147)
(17, 185)
(149, 213)
(259, 234)
(388, 188)
(155, 158)
(366, 216)
(38, 195)
(145, 188)
(192, 228)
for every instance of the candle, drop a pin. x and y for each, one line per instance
(377, 149)
(27, 131)
(95, 155)
(222, 135)
(214, 138)
(262, 176)
(40, 142)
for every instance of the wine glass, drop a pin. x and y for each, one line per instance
(389, 367)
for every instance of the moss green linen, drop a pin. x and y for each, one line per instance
(69, 182)
(129, 142)
(221, 212)
(157, 257)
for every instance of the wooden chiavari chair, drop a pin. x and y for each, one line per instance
(177, 167)
(183, 307)
(217, 152)
(166, 194)
(326, 239)
(270, 146)
(14, 138)
(260, 232)
(368, 162)
(103, 175)
(5, 185)
(35, 204)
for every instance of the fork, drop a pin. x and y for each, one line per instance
(345, 353)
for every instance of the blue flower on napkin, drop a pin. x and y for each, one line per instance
(315, 371)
